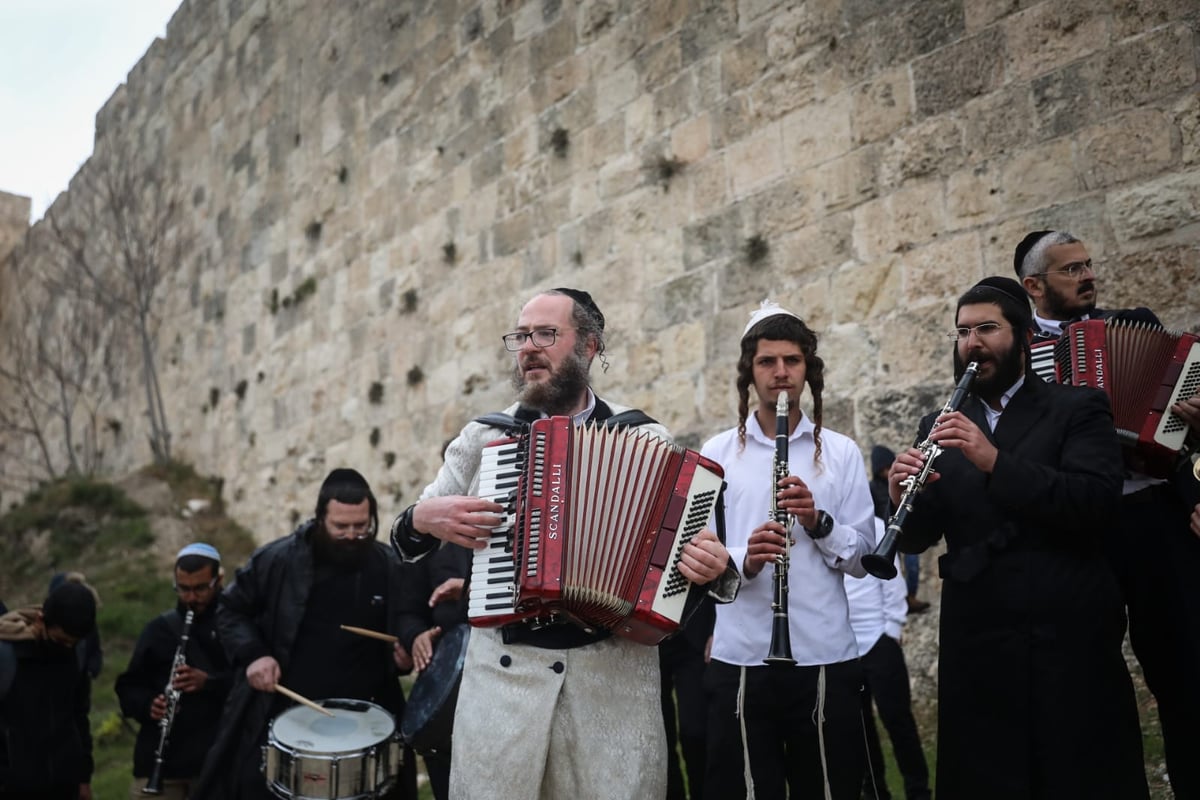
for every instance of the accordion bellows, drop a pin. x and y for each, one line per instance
(1144, 369)
(599, 518)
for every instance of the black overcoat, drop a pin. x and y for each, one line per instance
(260, 614)
(1034, 697)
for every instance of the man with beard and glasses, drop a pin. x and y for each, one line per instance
(1034, 698)
(280, 623)
(203, 681)
(552, 711)
(1151, 545)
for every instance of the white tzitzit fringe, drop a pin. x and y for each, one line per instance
(819, 721)
(741, 712)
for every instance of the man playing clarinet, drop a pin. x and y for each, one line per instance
(797, 718)
(203, 680)
(1034, 699)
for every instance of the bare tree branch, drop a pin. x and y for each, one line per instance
(118, 237)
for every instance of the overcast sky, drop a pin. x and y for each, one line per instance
(60, 61)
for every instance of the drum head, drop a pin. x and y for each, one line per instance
(354, 726)
(429, 712)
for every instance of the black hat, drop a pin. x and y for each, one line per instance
(584, 299)
(1024, 247)
(1004, 292)
(881, 458)
(72, 607)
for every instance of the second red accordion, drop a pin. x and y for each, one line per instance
(1144, 369)
(599, 520)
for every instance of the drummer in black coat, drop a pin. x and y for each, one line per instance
(280, 623)
(434, 616)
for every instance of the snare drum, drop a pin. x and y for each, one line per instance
(353, 755)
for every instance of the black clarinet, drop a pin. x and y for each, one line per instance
(781, 641)
(154, 785)
(882, 563)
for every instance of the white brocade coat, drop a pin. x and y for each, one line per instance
(534, 722)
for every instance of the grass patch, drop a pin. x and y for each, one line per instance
(95, 528)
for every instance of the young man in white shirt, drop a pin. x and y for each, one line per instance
(799, 724)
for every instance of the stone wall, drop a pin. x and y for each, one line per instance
(14, 222)
(375, 187)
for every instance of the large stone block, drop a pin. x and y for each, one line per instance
(998, 123)
(881, 106)
(755, 161)
(1042, 175)
(931, 147)
(1131, 145)
(1051, 35)
(899, 221)
(745, 61)
(952, 75)
(845, 182)
(817, 133)
(1159, 207)
(814, 250)
(1156, 65)
(1064, 100)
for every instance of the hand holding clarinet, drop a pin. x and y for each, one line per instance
(913, 469)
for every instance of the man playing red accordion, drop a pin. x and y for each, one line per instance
(553, 711)
(1154, 553)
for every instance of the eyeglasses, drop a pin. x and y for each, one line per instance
(541, 337)
(1073, 270)
(355, 530)
(983, 330)
(200, 588)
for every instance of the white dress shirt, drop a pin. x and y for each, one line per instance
(877, 607)
(818, 616)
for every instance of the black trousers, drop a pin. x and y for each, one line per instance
(887, 684)
(685, 714)
(1157, 561)
(782, 733)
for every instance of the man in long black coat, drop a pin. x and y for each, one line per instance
(202, 681)
(280, 623)
(1034, 699)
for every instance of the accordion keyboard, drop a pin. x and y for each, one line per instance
(492, 566)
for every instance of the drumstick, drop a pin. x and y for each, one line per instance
(301, 699)
(383, 637)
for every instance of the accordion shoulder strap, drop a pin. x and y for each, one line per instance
(517, 423)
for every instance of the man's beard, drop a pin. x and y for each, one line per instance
(1062, 306)
(342, 552)
(561, 392)
(1009, 367)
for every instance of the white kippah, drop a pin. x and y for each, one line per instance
(200, 549)
(768, 308)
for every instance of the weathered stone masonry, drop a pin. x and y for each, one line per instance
(375, 187)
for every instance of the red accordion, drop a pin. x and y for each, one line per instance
(599, 518)
(1143, 368)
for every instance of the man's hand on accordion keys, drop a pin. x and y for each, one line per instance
(704, 558)
(1189, 411)
(460, 519)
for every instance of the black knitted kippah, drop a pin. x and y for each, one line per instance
(584, 299)
(1024, 247)
(1007, 290)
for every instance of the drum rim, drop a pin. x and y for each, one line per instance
(331, 754)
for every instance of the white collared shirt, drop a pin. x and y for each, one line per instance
(993, 416)
(818, 614)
